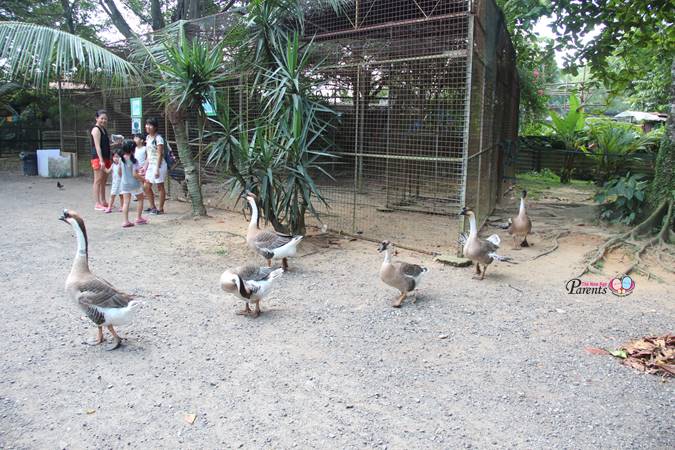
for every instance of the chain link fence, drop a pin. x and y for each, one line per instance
(427, 92)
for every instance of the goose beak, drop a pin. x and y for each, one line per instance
(462, 212)
(64, 216)
(382, 247)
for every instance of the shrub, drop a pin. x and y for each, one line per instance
(623, 198)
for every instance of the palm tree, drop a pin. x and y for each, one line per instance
(34, 55)
(185, 74)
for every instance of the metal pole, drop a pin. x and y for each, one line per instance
(60, 116)
(356, 147)
(467, 115)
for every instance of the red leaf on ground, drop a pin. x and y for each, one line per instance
(596, 351)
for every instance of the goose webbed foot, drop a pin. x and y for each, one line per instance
(525, 243)
(477, 275)
(115, 344)
(244, 312)
(98, 340)
(256, 311)
(399, 300)
(116, 341)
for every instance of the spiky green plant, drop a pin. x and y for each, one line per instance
(568, 129)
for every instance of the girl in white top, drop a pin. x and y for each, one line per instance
(155, 164)
(115, 188)
(131, 184)
(140, 153)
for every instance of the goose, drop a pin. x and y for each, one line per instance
(99, 300)
(403, 276)
(520, 226)
(270, 244)
(481, 251)
(250, 283)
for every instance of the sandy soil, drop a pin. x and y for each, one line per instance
(329, 364)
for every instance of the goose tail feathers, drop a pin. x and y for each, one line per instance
(505, 259)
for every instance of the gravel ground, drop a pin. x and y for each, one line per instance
(329, 364)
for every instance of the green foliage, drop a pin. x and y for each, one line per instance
(634, 41)
(568, 129)
(190, 71)
(623, 199)
(612, 143)
(278, 158)
(36, 55)
(534, 56)
(538, 183)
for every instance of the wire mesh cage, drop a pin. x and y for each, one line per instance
(427, 96)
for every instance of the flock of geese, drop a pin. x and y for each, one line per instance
(107, 307)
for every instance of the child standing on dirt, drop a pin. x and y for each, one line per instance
(116, 170)
(155, 165)
(131, 184)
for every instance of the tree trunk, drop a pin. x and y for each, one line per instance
(156, 14)
(118, 20)
(68, 14)
(663, 184)
(177, 119)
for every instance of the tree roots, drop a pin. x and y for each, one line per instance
(663, 217)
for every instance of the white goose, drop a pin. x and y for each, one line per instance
(250, 283)
(481, 251)
(99, 300)
(269, 244)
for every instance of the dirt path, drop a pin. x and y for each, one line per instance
(329, 364)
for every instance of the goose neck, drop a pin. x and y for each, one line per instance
(81, 261)
(253, 224)
(473, 229)
(521, 211)
(387, 257)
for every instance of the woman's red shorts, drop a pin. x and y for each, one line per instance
(96, 164)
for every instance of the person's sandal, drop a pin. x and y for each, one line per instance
(160, 212)
(141, 221)
(127, 225)
(108, 210)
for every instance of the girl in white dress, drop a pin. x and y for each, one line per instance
(116, 170)
(155, 165)
(131, 184)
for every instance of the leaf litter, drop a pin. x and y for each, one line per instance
(652, 354)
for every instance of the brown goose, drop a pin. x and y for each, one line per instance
(99, 300)
(250, 283)
(520, 226)
(481, 251)
(402, 276)
(269, 244)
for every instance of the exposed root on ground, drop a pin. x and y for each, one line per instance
(555, 246)
(663, 216)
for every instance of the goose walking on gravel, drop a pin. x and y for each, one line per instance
(251, 284)
(520, 226)
(269, 244)
(403, 276)
(99, 300)
(480, 251)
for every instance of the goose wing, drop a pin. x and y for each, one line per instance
(98, 292)
(411, 270)
(254, 273)
(269, 240)
(487, 247)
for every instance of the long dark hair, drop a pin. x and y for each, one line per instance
(128, 147)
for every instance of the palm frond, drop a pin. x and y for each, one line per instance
(35, 55)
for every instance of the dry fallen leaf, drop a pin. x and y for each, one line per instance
(190, 418)
(652, 354)
(90, 411)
